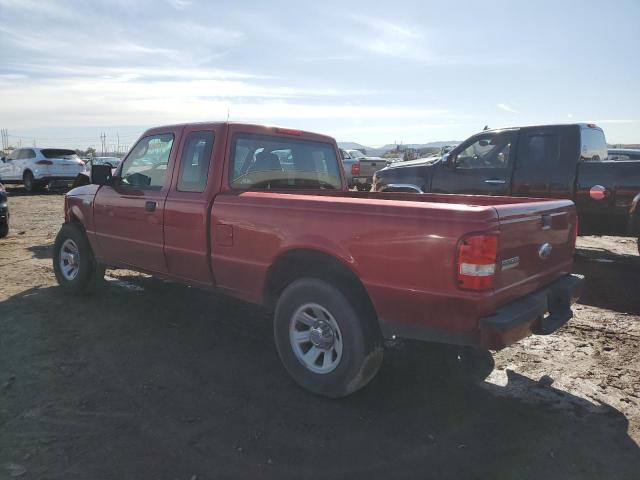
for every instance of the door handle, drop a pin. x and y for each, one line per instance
(150, 206)
(495, 181)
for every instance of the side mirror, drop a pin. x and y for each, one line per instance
(449, 161)
(100, 174)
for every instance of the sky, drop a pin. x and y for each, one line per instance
(363, 71)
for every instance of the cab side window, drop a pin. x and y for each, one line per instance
(490, 151)
(194, 164)
(146, 165)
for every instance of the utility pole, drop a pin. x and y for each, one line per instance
(118, 135)
(103, 139)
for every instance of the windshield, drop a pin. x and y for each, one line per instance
(59, 153)
(356, 154)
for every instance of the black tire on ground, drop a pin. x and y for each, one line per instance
(90, 273)
(30, 183)
(4, 229)
(362, 349)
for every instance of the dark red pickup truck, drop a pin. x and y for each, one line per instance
(263, 214)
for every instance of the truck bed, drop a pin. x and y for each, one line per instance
(402, 246)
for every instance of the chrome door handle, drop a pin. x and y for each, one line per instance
(495, 182)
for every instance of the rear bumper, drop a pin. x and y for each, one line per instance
(361, 180)
(541, 313)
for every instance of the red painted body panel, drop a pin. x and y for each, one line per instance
(402, 247)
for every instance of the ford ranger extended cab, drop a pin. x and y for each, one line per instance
(552, 161)
(264, 214)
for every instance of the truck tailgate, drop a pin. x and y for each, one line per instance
(369, 166)
(535, 244)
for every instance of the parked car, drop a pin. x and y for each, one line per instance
(4, 212)
(623, 154)
(553, 161)
(211, 205)
(348, 163)
(36, 168)
(360, 168)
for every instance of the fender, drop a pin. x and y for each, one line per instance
(320, 245)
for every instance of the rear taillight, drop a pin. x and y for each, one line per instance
(355, 169)
(44, 162)
(477, 256)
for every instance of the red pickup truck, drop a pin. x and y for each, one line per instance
(263, 214)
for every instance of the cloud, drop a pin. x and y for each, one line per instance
(179, 4)
(507, 108)
(381, 37)
(107, 101)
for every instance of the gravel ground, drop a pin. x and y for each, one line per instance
(150, 379)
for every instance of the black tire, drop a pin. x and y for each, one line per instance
(30, 183)
(90, 274)
(4, 229)
(362, 350)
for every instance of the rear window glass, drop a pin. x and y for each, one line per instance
(270, 162)
(58, 153)
(594, 145)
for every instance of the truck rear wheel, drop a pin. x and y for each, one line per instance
(4, 229)
(74, 265)
(324, 343)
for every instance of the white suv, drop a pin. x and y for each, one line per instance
(38, 167)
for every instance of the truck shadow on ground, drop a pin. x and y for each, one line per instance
(19, 191)
(42, 251)
(612, 280)
(165, 381)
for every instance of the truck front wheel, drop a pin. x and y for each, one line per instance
(74, 265)
(324, 343)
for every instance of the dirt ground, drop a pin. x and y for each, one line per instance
(153, 380)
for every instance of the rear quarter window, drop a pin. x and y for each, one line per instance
(58, 153)
(593, 145)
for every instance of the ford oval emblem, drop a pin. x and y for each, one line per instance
(544, 251)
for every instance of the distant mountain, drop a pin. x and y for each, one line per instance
(391, 146)
(377, 151)
(352, 146)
